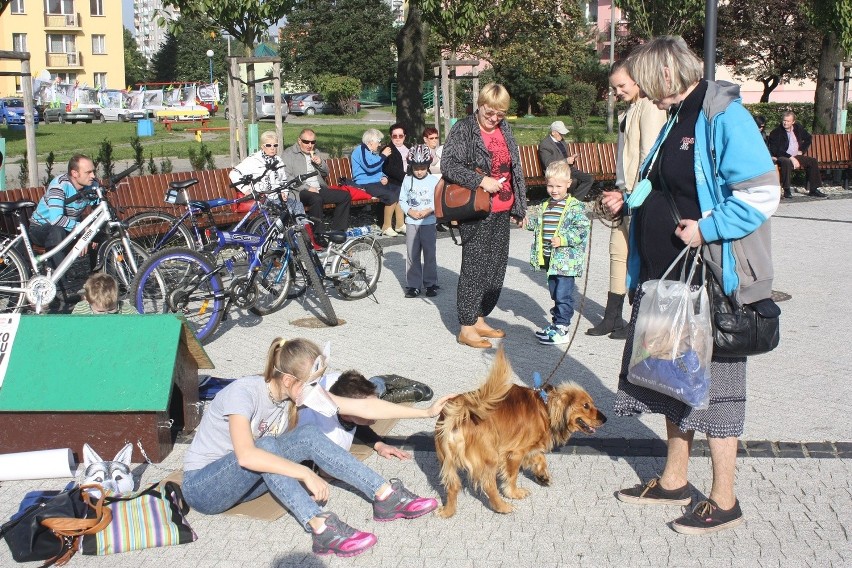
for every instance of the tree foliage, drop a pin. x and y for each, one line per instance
(650, 18)
(135, 65)
(789, 52)
(339, 89)
(340, 37)
(183, 56)
(247, 21)
(461, 22)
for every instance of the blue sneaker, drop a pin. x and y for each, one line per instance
(556, 335)
(544, 333)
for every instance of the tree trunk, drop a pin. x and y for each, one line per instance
(411, 44)
(830, 55)
(769, 85)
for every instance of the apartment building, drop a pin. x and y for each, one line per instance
(75, 40)
(150, 35)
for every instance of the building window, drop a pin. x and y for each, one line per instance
(60, 7)
(67, 77)
(96, 7)
(19, 42)
(60, 43)
(100, 80)
(98, 44)
(17, 6)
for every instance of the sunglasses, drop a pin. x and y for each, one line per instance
(270, 145)
(303, 141)
(494, 114)
(397, 135)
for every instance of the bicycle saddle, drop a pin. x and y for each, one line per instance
(9, 206)
(337, 237)
(183, 184)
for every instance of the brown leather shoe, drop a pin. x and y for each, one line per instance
(477, 344)
(491, 333)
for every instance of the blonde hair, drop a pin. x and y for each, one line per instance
(269, 135)
(494, 95)
(665, 66)
(558, 170)
(292, 357)
(101, 291)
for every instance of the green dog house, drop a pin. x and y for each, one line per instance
(105, 380)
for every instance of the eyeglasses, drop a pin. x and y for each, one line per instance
(397, 135)
(432, 137)
(270, 145)
(303, 141)
(499, 115)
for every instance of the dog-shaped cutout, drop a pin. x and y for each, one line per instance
(112, 475)
(502, 427)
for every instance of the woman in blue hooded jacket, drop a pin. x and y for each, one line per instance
(711, 160)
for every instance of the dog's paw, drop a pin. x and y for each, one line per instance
(445, 512)
(503, 508)
(517, 493)
(543, 480)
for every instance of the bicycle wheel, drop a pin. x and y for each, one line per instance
(273, 283)
(13, 274)
(149, 231)
(363, 261)
(312, 270)
(113, 261)
(258, 226)
(181, 281)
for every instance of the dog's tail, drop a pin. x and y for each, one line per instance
(475, 406)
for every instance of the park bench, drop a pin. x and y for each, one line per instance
(170, 122)
(832, 152)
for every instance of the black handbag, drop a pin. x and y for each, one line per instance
(49, 531)
(741, 330)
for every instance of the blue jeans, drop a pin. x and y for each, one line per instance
(222, 484)
(562, 294)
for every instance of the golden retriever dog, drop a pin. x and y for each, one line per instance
(502, 427)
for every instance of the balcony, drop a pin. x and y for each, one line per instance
(72, 60)
(64, 22)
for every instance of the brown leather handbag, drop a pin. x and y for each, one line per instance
(454, 202)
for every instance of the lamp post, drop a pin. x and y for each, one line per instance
(210, 58)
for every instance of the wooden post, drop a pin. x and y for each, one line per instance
(233, 106)
(436, 98)
(445, 93)
(29, 123)
(276, 96)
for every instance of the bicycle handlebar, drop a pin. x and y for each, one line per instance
(91, 194)
(250, 179)
(121, 175)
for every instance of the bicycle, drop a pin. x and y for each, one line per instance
(35, 284)
(181, 280)
(156, 230)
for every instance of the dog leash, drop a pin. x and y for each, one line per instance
(539, 385)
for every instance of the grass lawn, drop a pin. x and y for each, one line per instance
(336, 139)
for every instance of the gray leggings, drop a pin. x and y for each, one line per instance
(485, 253)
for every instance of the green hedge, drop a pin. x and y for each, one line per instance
(773, 112)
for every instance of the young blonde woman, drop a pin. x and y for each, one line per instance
(248, 444)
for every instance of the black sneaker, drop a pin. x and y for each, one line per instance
(412, 292)
(403, 394)
(816, 193)
(432, 291)
(706, 517)
(653, 494)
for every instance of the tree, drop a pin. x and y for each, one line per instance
(164, 61)
(247, 21)
(650, 18)
(135, 66)
(461, 22)
(411, 46)
(339, 37)
(537, 46)
(834, 18)
(788, 53)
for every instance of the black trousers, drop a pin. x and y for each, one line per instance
(808, 164)
(581, 183)
(485, 253)
(314, 201)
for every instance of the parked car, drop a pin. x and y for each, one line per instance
(264, 107)
(12, 111)
(80, 114)
(312, 103)
(122, 114)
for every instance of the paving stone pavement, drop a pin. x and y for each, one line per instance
(794, 474)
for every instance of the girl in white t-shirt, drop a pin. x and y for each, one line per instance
(247, 444)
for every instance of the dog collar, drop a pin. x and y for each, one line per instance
(539, 387)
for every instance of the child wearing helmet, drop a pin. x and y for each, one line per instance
(417, 199)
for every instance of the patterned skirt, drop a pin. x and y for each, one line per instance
(725, 416)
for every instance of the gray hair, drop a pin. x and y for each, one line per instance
(372, 135)
(665, 66)
(269, 136)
